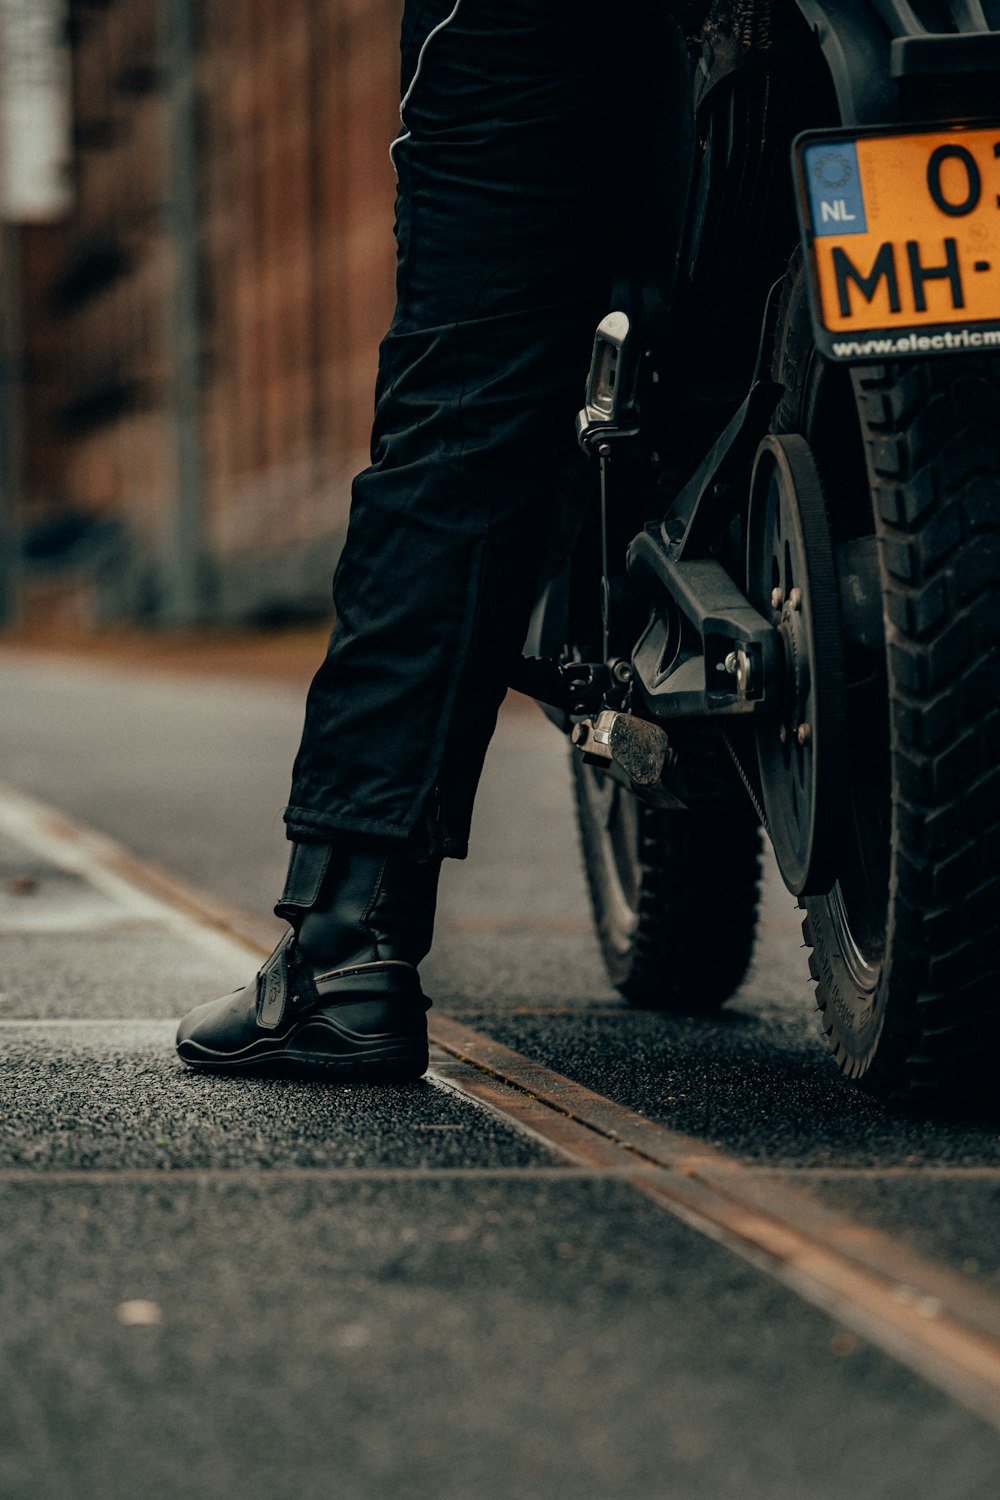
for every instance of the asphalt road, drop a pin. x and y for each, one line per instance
(381, 1293)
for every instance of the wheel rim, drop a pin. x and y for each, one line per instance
(801, 740)
(864, 975)
(857, 904)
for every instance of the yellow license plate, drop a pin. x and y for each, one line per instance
(903, 234)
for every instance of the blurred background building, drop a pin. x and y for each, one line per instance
(189, 334)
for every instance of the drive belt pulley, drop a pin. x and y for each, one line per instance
(802, 737)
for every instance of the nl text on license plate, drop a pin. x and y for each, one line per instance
(903, 233)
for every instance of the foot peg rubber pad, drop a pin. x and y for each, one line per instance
(641, 749)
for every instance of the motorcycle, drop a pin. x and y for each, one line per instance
(793, 415)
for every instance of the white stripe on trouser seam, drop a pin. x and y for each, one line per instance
(405, 136)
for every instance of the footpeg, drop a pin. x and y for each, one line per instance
(640, 748)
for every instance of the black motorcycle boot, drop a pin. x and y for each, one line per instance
(339, 998)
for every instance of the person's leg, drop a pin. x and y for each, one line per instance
(511, 187)
(504, 231)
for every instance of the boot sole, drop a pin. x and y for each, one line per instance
(319, 1052)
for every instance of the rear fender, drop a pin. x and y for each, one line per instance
(889, 67)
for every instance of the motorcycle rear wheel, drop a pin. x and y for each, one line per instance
(674, 894)
(906, 946)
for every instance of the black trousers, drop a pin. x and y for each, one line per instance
(520, 168)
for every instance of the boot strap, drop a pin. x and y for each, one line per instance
(285, 981)
(307, 869)
(274, 986)
(386, 978)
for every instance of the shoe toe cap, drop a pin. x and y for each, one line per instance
(219, 1025)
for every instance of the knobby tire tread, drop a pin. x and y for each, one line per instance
(696, 917)
(933, 445)
(931, 433)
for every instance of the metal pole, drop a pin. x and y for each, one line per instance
(184, 601)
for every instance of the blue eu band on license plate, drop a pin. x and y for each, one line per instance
(836, 200)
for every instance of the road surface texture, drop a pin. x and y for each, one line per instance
(713, 1269)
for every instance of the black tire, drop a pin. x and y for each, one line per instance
(906, 947)
(674, 894)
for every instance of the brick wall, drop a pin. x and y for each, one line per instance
(296, 103)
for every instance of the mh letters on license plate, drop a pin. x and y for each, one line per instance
(903, 234)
